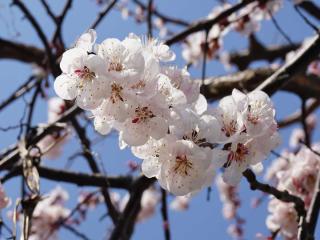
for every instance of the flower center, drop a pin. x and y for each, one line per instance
(194, 137)
(254, 110)
(229, 127)
(139, 85)
(239, 155)
(116, 90)
(142, 114)
(84, 74)
(182, 165)
(115, 66)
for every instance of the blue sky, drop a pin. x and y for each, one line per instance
(204, 219)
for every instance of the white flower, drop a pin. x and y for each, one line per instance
(277, 167)
(229, 118)
(248, 23)
(185, 168)
(201, 130)
(192, 51)
(47, 215)
(82, 78)
(282, 217)
(121, 95)
(257, 111)
(146, 120)
(229, 198)
(123, 60)
(243, 153)
(180, 79)
(264, 9)
(87, 41)
(150, 153)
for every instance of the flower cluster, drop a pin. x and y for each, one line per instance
(47, 215)
(246, 22)
(231, 203)
(297, 174)
(159, 111)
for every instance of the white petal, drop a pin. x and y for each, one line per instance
(102, 125)
(65, 87)
(151, 167)
(232, 175)
(158, 127)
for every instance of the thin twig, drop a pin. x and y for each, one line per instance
(149, 18)
(102, 14)
(306, 20)
(282, 32)
(207, 24)
(304, 122)
(86, 147)
(164, 214)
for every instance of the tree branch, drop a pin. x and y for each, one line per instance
(125, 225)
(80, 179)
(296, 65)
(102, 14)
(217, 87)
(284, 196)
(207, 24)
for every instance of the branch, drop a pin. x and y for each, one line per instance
(149, 18)
(11, 157)
(21, 52)
(296, 65)
(313, 212)
(284, 196)
(23, 89)
(164, 213)
(49, 11)
(80, 179)
(207, 24)
(125, 224)
(87, 153)
(40, 33)
(59, 22)
(296, 117)
(242, 59)
(311, 8)
(102, 14)
(163, 17)
(217, 87)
